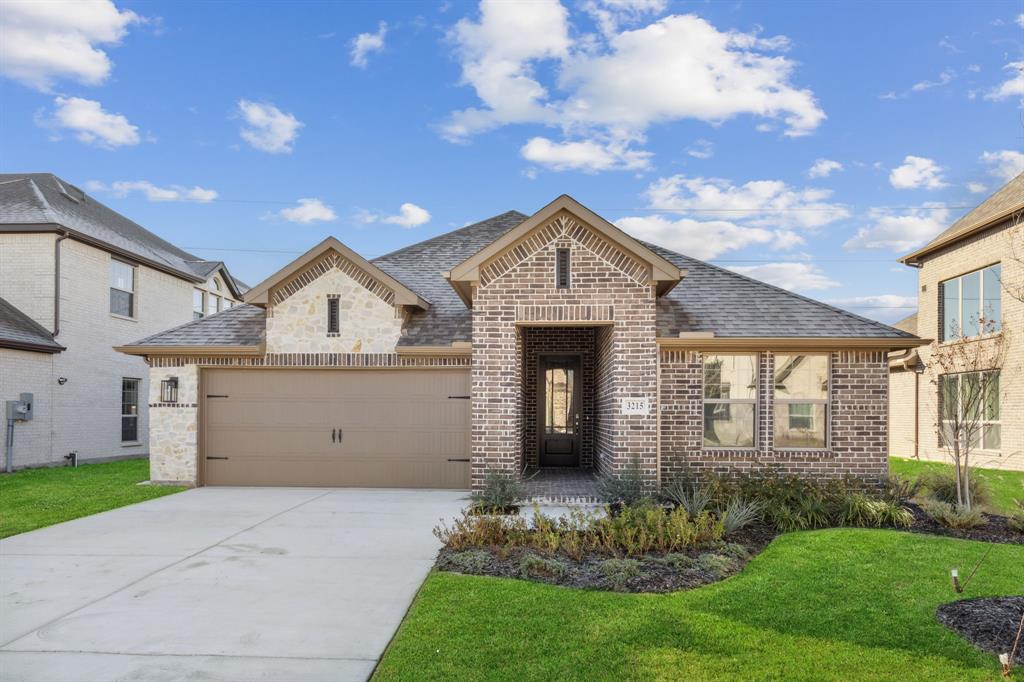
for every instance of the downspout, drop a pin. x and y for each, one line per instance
(56, 283)
(917, 412)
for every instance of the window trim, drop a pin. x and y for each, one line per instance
(755, 401)
(982, 422)
(960, 304)
(133, 292)
(826, 401)
(135, 417)
(201, 313)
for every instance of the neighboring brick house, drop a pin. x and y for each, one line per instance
(552, 340)
(76, 279)
(972, 270)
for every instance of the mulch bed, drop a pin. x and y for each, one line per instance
(996, 530)
(988, 623)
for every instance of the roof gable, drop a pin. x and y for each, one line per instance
(328, 254)
(660, 271)
(1006, 201)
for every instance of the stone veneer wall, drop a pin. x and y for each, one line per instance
(368, 321)
(858, 439)
(558, 341)
(174, 427)
(519, 286)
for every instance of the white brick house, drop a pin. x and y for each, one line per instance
(77, 279)
(975, 268)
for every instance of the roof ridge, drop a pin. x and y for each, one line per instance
(445, 234)
(781, 290)
(47, 208)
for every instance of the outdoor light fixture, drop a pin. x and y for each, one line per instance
(169, 390)
(62, 380)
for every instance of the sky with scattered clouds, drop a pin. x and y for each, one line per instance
(805, 144)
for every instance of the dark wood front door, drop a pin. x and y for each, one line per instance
(558, 411)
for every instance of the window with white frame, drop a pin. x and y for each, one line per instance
(122, 288)
(970, 408)
(198, 303)
(730, 400)
(971, 304)
(212, 303)
(801, 401)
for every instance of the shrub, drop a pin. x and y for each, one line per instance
(900, 488)
(716, 566)
(734, 550)
(618, 571)
(738, 513)
(941, 485)
(644, 528)
(472, 561)
(1016, 519)
(501, 493)
(952, 515)
(534, 566)
(626, 488)
(894, 514)
(471, 531)
(678, 561)
(691, 496)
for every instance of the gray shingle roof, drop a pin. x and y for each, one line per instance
(1005, 198)
(18, 330)
(709, 298)
(242, 325)
(38, 199)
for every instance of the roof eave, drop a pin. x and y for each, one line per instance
(914, 258)
(803, 343)
(191, 350)
(33, 347)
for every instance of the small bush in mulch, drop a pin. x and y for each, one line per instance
(996, 528)
(989, 623)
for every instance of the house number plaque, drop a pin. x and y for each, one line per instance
(635, 406)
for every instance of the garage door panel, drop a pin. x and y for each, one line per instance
(396, 428)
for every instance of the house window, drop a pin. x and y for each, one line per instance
(801, 401)
(129, 409)
(228, 303)
(122, 288)
(730, 400)
(169, 390)
(212, 304)
(971, 304)
(562, 268)
(332, 316)
(198, 304)
(970, 407)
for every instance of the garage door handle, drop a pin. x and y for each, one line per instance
(458, 397)
(341, 434)
(218, 458)
(466, 459)
(209, 395)
(333, 434)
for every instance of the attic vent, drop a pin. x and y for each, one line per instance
(562, 268)
(332, 316)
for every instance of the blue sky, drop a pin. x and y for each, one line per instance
(807, 144)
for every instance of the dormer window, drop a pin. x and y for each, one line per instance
(562, 269)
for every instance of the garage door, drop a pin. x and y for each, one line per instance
(364, 428)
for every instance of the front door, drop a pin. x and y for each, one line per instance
(558, 400)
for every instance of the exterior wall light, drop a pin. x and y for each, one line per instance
(169, 390)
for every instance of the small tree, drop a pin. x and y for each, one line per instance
(1014, 258)
(967, 376)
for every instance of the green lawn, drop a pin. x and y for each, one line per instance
(1006, 485)
(841, 604)
(34, 498)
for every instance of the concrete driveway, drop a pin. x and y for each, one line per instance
(218, 584)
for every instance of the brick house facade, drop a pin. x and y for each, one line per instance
(990, 236)
(577, 344)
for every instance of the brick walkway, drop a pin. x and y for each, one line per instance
(561, 486)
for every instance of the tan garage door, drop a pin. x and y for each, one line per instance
(364, 428)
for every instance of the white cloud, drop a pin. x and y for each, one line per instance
(893, 232)
(701, 149)
(588, 156)
(762, 203)
(46, 41)
(1014, 87)
(610, 14)
(823, 168)
(945, 78)
(267, 128)
(123, 188)
(886, 307)
(703, 239)
(365, 43)
(308, 211)
(917, 172)
(91, 124)
(614, 87)
(1020, 20)
(409, 215)
(975, 187)
(1005, 164)
(792, 276)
